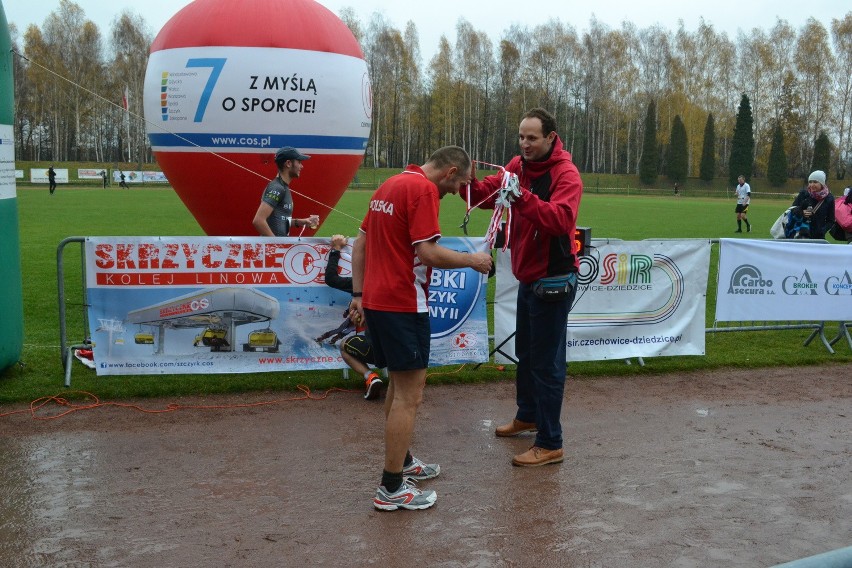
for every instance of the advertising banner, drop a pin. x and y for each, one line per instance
(634, 299)
(224, 98)
(39, 175)
(154, 177)
(136, 176)
(90, 173)
(172, 305)
(783, 280)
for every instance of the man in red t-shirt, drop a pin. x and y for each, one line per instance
(398, 248)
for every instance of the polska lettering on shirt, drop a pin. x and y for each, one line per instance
(381, 206)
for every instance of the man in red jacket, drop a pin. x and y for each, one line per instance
(544, 219)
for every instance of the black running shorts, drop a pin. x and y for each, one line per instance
(400, 339)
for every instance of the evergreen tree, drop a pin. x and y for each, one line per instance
(742, 144)
(776, 169)
(822, 153)
(677, 163)
(708, 151)
(650, 152)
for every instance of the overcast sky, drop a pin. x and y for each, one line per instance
(439, 17)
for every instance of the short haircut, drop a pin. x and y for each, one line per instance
(450, 156)
(548, 121)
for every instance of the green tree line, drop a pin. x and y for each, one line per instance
(599, 82)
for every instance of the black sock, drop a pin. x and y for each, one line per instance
(408, 459)
(748, 225)
(739, 225)
(391, 481)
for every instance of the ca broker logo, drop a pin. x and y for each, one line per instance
(799, 285)
(747, 279)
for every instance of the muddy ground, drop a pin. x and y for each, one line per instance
(724, 468)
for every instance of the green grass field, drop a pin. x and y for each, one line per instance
(45, 221)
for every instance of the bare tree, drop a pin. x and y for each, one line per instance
(131, 41)
(473, 91)
(841, 33)
(75, 44)
(814, 64)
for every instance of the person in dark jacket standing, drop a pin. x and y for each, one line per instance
(813, 209)
(544, 219)
(51, 177)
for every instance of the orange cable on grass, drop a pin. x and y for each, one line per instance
(463, 365)
(40, 404)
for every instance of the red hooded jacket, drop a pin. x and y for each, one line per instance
(544, 217)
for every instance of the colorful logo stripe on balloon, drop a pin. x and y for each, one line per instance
(251, 99)
(164, 95)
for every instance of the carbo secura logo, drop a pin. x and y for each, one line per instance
(747, 279)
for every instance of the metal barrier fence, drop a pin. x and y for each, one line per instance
(67, 346)
(817, 327)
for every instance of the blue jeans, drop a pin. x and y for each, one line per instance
(540, 334)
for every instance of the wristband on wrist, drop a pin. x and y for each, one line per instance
(357, 294)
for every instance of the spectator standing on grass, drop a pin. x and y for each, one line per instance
(543, 222)
(743, 191)
(104, 178)
(812, 215)
(51, 178)
(356, 348)
(274, 215)
(123, 183)
(392, 262)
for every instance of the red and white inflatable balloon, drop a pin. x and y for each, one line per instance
(228, 83)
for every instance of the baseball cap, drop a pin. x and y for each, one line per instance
(817, 175)
(289, 153)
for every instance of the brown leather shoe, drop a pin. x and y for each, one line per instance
(536, 456)
(514, 428)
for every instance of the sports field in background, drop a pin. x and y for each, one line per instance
(73, 211)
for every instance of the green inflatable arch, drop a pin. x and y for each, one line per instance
(11, 295)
